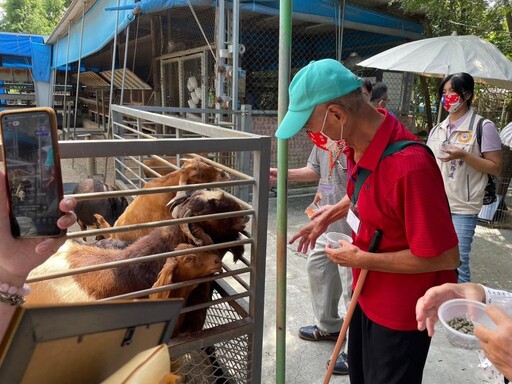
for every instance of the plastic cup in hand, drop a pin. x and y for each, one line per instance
(442, 153)
(458, 317)
(333, 238)
(311, 209)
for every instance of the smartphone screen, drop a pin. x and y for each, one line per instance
(32, 168)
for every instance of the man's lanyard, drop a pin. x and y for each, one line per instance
(332, 162)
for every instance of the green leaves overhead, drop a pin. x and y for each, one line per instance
(490, 20)
(32, 16)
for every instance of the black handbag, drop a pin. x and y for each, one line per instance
(490, 191)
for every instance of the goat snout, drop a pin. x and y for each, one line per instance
(214, 264)
(224, 176)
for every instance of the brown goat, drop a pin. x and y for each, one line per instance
(130, 278)
(185, 268)
(147, 208)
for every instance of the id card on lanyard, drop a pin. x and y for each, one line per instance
(353, 213)
(326, 186)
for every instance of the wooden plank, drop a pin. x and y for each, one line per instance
(93, 80)
(131, 81)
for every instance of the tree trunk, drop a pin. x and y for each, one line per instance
(428, 107)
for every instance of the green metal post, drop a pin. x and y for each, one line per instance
(285, 44)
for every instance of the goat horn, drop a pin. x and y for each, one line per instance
(185, 228)
(179, 199)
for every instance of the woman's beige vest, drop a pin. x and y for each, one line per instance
(464, 185)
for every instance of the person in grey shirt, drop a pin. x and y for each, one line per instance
(328, 282)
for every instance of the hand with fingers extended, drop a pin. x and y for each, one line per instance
(320, 220)
(311, 231)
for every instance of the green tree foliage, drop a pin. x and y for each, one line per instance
(486, 19)
(32, 16)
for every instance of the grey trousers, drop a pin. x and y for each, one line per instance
(328, 282)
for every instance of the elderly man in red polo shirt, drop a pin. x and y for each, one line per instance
(402, 197)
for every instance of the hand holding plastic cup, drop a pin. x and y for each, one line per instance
(442, 152)
(333, 239)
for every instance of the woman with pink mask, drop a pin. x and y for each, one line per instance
(464, 160)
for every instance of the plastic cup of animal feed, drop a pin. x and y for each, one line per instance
(333, 238)
(458, 316)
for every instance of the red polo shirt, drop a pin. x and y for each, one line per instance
(404, 197)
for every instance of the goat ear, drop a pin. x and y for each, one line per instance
(164, 278)
(101, 222)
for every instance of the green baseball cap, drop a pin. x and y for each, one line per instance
(316, 83)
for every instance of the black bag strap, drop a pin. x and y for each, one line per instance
(479, 128)
(362, 173)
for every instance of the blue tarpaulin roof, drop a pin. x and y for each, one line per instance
(353, 13)
(15, 44)
(26, 51)
(100, 24)
(99, 29)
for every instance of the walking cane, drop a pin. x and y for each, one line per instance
(374, 244)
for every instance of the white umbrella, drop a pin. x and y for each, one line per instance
(441, 56)
(506, 135)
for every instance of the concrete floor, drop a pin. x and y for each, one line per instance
(306, 361)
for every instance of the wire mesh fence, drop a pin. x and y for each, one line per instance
(226, 362)
(311, 40)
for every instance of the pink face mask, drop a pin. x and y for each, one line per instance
(451, 103)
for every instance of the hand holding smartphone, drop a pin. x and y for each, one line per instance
(32, 168)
